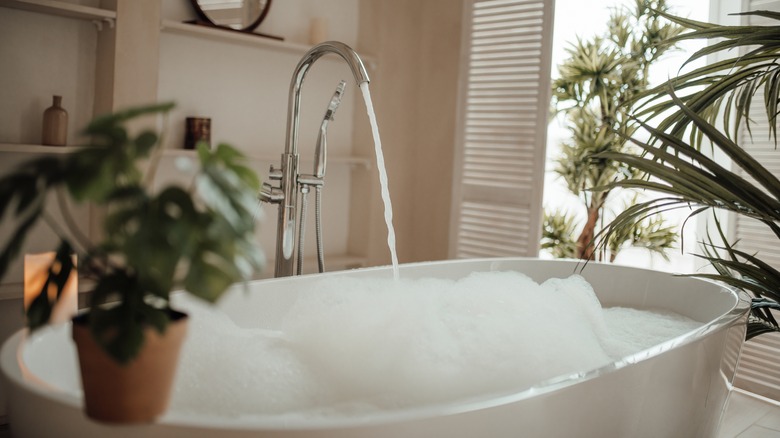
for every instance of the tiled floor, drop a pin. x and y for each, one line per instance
(750, 417)
(746, 417)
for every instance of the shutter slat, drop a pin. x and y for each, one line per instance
(505, 100)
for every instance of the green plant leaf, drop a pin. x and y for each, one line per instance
(156, 318)
(209, 281)
(740, 75)
(117, 331)
(145, 142)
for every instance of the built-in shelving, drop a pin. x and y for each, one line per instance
(339, 262)
(333, 262)
(36, 148)
(11, 291)
(15, 291)
(336, 159)
(117, 48)
(234, 37)
(212, 33)
(59, 8)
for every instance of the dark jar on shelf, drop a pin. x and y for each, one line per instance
(197, 130)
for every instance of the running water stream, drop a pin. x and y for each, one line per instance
(380, 164)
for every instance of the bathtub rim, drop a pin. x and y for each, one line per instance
(13, 373)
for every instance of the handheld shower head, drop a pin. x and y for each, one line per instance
(321, 150)
(335, 101)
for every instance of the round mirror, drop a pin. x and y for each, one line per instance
(243, 15)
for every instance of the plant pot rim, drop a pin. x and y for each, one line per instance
(82, 318)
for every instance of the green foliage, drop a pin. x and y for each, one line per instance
(558, 230)
(651, 233)
(728, 85)
(689, 179)
(595, 89)
(197, 237)
(740, 269)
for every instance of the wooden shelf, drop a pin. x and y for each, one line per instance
(348, 160)
(175, 27)
(333, 262)
(10, 291)
(338, 261)
(37, 148)
(59, 8)
(15, 291)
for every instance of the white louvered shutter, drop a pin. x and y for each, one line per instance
(503, 106)
(759, 367)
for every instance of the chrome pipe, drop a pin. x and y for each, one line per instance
(285, 232)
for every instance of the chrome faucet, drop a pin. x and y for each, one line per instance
(286, 193)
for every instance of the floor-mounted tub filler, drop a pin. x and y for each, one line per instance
(678, 387)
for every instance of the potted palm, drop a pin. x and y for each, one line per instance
(197, 238)
(683, 112)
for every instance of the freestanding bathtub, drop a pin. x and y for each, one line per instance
(679, 388)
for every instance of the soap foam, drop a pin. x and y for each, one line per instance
(352, 344)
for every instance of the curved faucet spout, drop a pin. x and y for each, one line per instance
(288, 174)
(315, 53)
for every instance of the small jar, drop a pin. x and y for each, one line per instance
(197, 130)
(55, 124)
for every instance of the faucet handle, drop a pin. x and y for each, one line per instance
(270, 194)
(274, 174)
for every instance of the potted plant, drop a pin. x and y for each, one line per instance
(678, 116)
(196, 237)
(595, 91)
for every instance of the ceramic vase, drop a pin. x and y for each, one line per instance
(55, 124)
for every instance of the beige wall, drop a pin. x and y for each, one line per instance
(417, 48)
(413, 47)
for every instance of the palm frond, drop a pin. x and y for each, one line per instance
(689, 178)
(681, 170)
(733, 81)
(747, 272)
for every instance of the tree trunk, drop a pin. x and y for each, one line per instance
(585, 247)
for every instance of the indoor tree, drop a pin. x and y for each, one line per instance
(594, 90)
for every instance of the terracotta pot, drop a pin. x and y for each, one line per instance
(139, 391)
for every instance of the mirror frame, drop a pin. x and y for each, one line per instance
(252, 26)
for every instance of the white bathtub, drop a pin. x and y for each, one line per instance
(676, 389)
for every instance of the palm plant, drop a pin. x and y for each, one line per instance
(733, 81)
(594, 89)
(688, 178)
